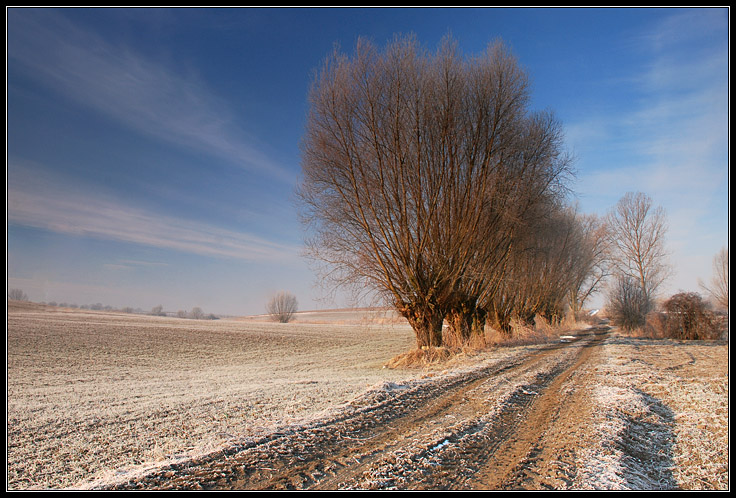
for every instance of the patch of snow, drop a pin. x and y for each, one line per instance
(442, 444)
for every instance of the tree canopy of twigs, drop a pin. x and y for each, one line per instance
(282, 306)
(637, 231)
(17, 295)
(425, 177)
(718, 288)
(628, 304)
(688, 318)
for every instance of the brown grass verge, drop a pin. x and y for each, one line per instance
(521, 334)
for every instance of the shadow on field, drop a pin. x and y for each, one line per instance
(648, 443)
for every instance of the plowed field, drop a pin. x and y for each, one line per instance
(108, 401)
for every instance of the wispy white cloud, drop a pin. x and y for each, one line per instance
(43, 200)
(135, 90)
(674, 137)
(671, 140)
(684, 27)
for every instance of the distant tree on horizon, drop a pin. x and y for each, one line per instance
(196, 313)
(718, 288)
(282, 307)
(17, 295)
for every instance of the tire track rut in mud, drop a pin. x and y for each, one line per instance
(495, 427)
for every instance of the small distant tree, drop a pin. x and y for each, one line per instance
(628, 303)
(157, 310)
(196, 313)
(17, 295)
(592, 266)
(718, 288)
(182, 314)
(282, 307)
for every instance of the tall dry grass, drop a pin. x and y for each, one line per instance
(521, 334)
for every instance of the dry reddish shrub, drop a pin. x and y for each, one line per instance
(689, 318)
(684, 316)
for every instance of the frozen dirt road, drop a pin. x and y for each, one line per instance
(516, 423)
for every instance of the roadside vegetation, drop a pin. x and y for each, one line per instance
(638, 256)
(430, 185)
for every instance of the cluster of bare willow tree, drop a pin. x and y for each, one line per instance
(428, 179)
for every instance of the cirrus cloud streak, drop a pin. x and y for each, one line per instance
(50, 205)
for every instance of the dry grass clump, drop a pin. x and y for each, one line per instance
(421, 358)
(541, 332)
(521, 334)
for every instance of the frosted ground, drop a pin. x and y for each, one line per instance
(98, 397)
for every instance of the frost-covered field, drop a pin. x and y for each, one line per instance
(93, 395)
(660, 416)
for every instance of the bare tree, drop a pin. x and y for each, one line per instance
(637, 235)
(521, 211)
(17, 295)
(416, 167)
(718, 288)
(628, 303)
(551, 260)
(282, 307)
(196, 313)
(593, 261)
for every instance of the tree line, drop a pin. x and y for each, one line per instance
(196, 313)
(428, 180)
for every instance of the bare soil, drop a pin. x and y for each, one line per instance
(591, 410)
(522, 423)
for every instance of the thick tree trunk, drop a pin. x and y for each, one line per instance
(427, 325)
(428, 330)
(500, 321)
(464, 321)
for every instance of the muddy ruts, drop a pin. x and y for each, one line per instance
(461, 431)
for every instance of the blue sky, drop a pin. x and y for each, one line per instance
(152, 154)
